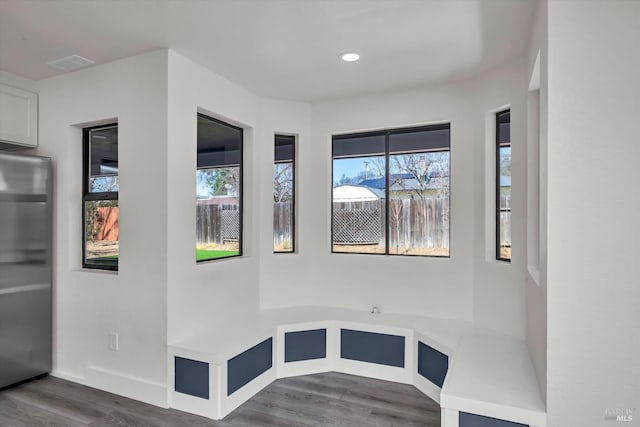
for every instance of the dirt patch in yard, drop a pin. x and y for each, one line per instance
(378, 249)
(226, 246)
(102, 248)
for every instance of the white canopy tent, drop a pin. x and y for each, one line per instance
(356, 193)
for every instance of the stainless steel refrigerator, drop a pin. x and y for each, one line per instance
(25, 267)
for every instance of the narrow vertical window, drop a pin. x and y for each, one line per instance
(391, 192)
(100, 185)
(503, 185)
(359, 193)
(284, 194)
(218, 190)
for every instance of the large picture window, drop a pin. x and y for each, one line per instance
(503, 185)
(218, 190)
(284, 194)
(391, 192)
(100, 185)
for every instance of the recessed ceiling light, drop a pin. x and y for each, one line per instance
(350, 57)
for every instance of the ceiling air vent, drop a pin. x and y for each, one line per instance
(70, 63)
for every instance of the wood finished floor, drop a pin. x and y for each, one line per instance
(329, 399)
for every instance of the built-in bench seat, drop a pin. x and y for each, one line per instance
(480, 378)
(491, 375)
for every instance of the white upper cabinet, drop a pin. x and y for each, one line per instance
(18, 117)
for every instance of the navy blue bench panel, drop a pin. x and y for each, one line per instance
(372, 347)
(472, 420)
(249, 364)
(305, 345)
(191, 377)
(432, 364)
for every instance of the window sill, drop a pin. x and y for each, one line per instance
(500, 261)
(95, 270)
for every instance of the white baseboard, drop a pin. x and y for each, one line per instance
(123, 385)
(68, 376)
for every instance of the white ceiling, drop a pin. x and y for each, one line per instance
(278, 48)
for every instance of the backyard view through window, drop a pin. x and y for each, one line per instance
(284, 194)
(100, 197)
(391, 192)
(503, 185)
(218, 190)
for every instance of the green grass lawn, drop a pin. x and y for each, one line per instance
(204, 254)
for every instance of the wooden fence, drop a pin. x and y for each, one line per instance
(220, 223)
(505, 219)
(413, 223)
(419, 223)
(282, 225)
(217, 224)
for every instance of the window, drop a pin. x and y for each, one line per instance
(391, 192)
(503, 186)
(100, 187)
(218, 190)
(284, 194)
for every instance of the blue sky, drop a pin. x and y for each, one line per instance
(202, 189)
(351, 167)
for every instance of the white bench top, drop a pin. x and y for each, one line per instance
(493, 371)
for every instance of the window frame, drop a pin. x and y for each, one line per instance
(293, 189)
(387, 133)
(240, 187)
(88, 196)
(498, 208)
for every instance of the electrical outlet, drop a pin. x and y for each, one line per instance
(113, 341)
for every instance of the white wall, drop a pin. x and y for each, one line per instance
(499, 286)
(157, 299)
(206, 294)
(132, 302)
(593, 227)
(437, 287)
(447, 288)
(282, 272)
(159, 294)
(537, 160)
